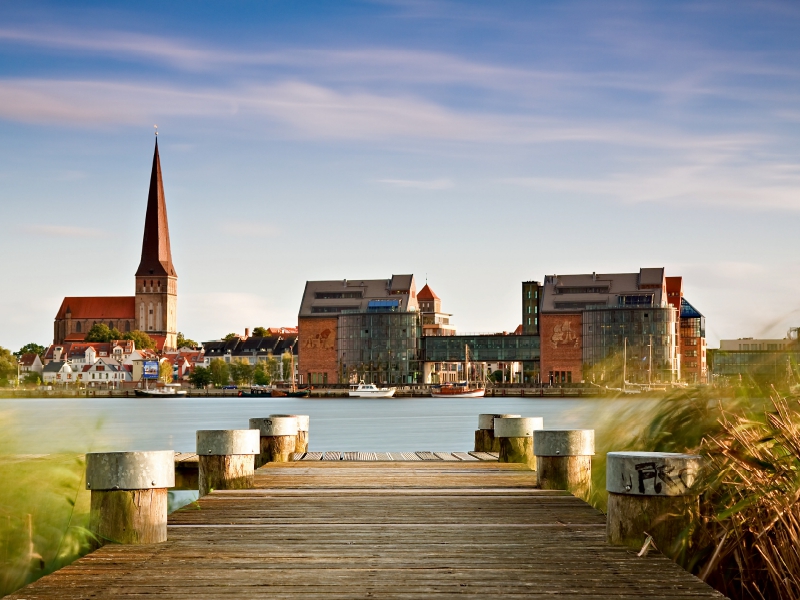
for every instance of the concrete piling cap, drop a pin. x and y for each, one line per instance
(563, 442)
(652, 473)
(227, 442)
(517, 426)
(274, 426)
(130, 470)
(303, 421)
(487, 421)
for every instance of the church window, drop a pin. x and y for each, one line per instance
(111, 324)
(78, 327)
(127, 326)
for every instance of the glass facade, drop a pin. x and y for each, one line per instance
(380, 346)
(482, 348)
(604, 335)
(764, 366)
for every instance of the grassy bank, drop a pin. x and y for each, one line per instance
(747, 542)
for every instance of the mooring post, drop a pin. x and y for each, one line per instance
(129, 495)
(564, 459)
(226, 459)
(278, 439)
(651, 493)
(484, 435)
(303, 422)
(516, 439)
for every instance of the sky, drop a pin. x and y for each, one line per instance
(476, 145)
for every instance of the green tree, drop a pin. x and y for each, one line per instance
(200, 377)
(8, 367)
(273, 368)
(261, 332)
(286, 359)
(260, 374)
(31, 378)
(30, 348)
(102, 333)
(165, 372)
(140, 339)
(220, 373)
(241, 371)
(184, 342)
(230, 336)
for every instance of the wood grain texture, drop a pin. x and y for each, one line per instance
(517, 450)
(301, 444)
(231, 472)
(485, 441)
(632, 517)
(276, 448)
(571, 473)
(399, 530)
(129, 516)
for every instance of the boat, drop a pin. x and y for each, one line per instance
(462, 389)
(167, 390)
(370, 390)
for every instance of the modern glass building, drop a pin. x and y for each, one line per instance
(444, 354)
(380, 346)
(766, 366)
(646, 336)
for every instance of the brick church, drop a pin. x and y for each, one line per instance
(153, 309)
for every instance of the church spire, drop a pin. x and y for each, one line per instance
(156, 254)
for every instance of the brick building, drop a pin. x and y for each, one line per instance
(691, 339)
(366, 349)
(153, 308)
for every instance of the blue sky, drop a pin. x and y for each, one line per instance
(478, 144)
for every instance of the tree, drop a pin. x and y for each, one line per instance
(241, 371)
(165, 372)
(261, 332)
(184, 342)
(200, 377)
(140, 339)
(286, 359)
(30, 349)
(273, 368)
(220, 373)
(102, 333)
(31, 378)
(230, 336)
(8, 367)
(260, 374)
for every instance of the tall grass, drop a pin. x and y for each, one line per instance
(747, 541)
(44, 511)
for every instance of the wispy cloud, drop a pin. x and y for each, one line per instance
(420, 184)
(65, 231)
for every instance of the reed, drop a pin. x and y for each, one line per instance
(747, 542)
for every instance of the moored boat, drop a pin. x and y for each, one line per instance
(370, 390)
(457, 390)
(167, 390)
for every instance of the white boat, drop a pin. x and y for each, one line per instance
(168, 389)
(370, 390)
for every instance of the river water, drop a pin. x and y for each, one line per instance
(381, 425)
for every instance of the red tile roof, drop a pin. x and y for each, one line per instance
(427, 293)
(98, 307)
(27, 360)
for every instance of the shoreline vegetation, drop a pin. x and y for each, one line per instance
(745, 543)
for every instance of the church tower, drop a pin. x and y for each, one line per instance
(156, 280)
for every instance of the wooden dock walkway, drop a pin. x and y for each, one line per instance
(400, 529)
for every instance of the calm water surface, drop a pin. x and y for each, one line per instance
(396, 425)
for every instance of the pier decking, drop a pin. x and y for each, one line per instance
(369, 529)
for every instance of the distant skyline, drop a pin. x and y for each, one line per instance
(475, 144)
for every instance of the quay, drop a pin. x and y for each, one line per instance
(329, 525)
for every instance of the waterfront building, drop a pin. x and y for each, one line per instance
(691, 341)
(434, 321)
(153, 308)
(589, 321)
(252, 349)
(30, 363)
(531, 293)
(444, 356)
(350, 328)
(766, 360)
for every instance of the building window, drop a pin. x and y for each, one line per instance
(127, 326)
(78, 327)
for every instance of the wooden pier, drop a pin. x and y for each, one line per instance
(346, 529)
